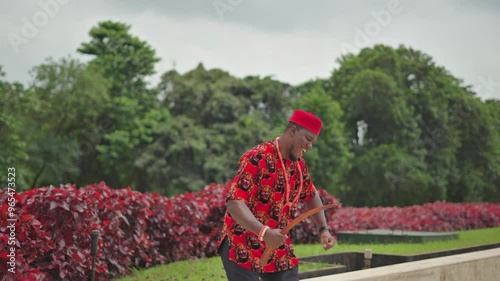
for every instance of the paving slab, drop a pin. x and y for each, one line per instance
(476, 266)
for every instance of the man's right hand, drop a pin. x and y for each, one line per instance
(274, 238)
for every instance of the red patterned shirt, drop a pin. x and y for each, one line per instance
(260, 184)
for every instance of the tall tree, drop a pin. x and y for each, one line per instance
(125, 59)
(478, 152)
(122, 148)
(68, 98)
(492, 193)
(127, 62)
(12, 144)
(330, 160)
(223, 116)
(400, 100)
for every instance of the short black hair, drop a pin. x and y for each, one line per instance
(292, 124)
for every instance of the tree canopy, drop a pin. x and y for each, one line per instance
(398, 129)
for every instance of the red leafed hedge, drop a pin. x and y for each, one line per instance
(136, 229)
(143, 229)
(437, 216)
(52, 232)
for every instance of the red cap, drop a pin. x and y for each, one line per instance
(307, 120)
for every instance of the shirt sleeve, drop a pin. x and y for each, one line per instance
(243, 185)
(309, 190)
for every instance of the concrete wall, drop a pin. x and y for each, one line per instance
(476, 266)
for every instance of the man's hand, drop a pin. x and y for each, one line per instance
(274, 238)
(327, 240)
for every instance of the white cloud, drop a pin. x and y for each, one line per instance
(293, 40)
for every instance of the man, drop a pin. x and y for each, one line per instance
(263, 197)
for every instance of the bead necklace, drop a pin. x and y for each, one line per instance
(287, 183)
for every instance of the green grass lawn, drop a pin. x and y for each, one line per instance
(211, 268)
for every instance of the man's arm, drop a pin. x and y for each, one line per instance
(320, 220)
(240, 212)
(243, 216)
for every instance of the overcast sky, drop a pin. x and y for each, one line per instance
(294, 41)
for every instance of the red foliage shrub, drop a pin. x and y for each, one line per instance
(123, 224)
(136, 229)
(53, 234)
(143, 229)
(437, 216)
(306, 231)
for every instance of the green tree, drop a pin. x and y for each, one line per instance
(223, 117)
(123, 147)
(12, 144)
(330, 160)
(492, 193)
(434, 93)
(387, 175)
(214, 96)
(134, 110)
(400, 100)
(174, 159)
(67, 97)
(124, 59)
(378, 118)
(478, 152)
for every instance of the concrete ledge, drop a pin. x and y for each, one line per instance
(393, 236)
(477, 266)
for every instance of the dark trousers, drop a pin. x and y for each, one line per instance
(234, 272)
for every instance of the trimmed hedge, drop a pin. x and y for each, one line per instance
(437, 216)
(136, 229)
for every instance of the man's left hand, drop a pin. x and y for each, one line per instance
(327, 240)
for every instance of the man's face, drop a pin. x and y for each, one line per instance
(302, 141)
